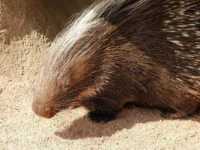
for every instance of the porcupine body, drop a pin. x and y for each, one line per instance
(146, 52)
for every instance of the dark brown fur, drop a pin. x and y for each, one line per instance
(130, 55)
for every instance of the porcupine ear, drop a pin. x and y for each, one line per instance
(78, 69)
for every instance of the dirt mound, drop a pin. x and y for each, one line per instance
(20, 17)
(26, 30)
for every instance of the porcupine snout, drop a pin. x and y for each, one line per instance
(42, 109)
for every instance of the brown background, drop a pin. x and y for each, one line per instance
(27, 28)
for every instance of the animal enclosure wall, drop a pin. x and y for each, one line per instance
(20, 17)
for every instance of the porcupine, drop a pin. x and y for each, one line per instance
(145, 52)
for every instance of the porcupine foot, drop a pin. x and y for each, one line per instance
(177, 115)
(182, 108)
(184, 113)
(129, 105)
(101, 116)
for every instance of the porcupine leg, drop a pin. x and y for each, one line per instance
(99, 115)
(102, 110)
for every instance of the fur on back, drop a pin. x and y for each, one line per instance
(166, 32)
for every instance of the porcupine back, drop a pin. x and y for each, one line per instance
(182, 27)
(173, 41)
(170, 35)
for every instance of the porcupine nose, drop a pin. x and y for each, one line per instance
(42, 110)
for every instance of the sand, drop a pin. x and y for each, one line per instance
(24, 38)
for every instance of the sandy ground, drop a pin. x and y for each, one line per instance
(20, 61)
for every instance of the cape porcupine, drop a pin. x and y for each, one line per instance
(117, 51)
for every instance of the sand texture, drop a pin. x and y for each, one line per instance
(26, 31)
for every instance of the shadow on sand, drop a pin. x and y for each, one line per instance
(84, 128)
